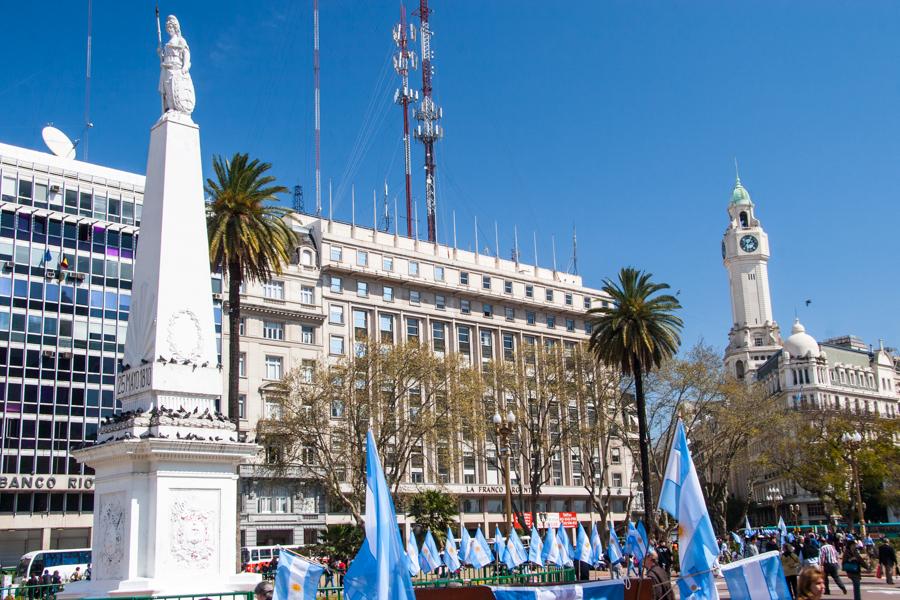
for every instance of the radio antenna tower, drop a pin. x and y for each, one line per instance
(318, 126)
(386, 217)
(87, 79)
(428, 115)
(298, 198)
(404, 60)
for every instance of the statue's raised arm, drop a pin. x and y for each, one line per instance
(175, 85)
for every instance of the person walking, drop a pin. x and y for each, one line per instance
(662, 586)
(811, 584)
(830, 562)
(790, 563)
(664, 556)
(810, 551)
(887, 558)
(853, 564)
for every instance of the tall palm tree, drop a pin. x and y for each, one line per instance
(248, 241)
(636, 333)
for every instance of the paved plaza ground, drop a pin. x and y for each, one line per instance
(872, 589)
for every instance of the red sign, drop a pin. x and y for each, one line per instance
(569, 520)
(525, 517)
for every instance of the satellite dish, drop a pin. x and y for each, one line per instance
(58, 142)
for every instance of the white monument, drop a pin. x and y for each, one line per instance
(166, 483)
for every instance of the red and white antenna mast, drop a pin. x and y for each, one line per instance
(316, 85)
(428, 115)
(404, 60)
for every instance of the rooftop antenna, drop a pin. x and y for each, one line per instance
(574, 266)
(352, 205)
(298, 198)
(476, 236)
(58, 142)
(87, 79)
(396, 219)
(330, 205)
(416, 219)
(515, 255)
(386, 218)
(374, 212)
(318, 121)
(405, 60)
(454, 230)
(428, 115)
(535, 253)
(553, 248)
(496, 241)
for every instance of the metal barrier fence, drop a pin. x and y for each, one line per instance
(31, 592)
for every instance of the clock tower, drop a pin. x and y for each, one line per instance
(754, 334)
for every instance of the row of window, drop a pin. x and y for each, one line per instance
(70, 199)
(888, 409)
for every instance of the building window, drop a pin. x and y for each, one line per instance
(272, 410)
(306, 258)
(362, 289)
(758, 341)
(415, 297)
(387, 263)
(568, 298)
(362, 258)
(465, 307)
(336, 314)
(529, 291)
(412, 330)
(336, 253)
(464, 340)
(273, 330)
(242, 406)
(336, 285)
(307, 294)
(307, 370)
(386, 328)
(414, 268)
(551, 322)
(509, 346)
(242, 327)
(274, 290)
(507, 287)
(615, 456)
(570, 324)
(530, 317)
(587, 303)
(437, 336)
(485, 282)
(440, 302)
(617, 480)
(487, 344)
(336, 345)
(487, 310)
(510, 313)
(439, 273)
(548, 295)
(273, 367)
(463, 278)
(387, 293)
(588, 328)
(242, 365)
(307, 334)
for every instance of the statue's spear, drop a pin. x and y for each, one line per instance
(162, 98)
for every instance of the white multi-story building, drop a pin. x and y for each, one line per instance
(348, 280)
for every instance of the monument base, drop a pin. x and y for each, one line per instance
(145, 587)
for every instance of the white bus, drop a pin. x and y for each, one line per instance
(64, 561)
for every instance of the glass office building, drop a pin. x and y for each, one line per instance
(67, 239)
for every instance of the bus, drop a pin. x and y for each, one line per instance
(255, 559)
(64, 561)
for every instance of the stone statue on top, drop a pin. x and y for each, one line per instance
(175, 85)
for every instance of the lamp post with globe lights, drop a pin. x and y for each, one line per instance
(773, 495)
(853, 440)
(504, 428)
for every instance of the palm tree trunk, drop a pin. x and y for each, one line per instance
(644, 443)
(234, 411)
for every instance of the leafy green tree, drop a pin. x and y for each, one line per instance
(339, 542)
(432, 509)
(248, 240)
(636, 332)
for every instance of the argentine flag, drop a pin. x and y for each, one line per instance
(756, 578)
(634, 543)
(553, 549)
(535, 548)
(465, 542)
(479, 551)
(296, 578)
(514, 553)
(429, 557)
(613, 548)
(563, 537)
(747, 529)
(782, 531)
(380, 570)
(412, 553)
(596, 546)
(499, 542)
(682, 498)
(583, 550)
(451, 554)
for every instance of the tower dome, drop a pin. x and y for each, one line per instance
(801, 344)
(740, 195)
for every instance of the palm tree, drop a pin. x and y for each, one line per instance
(636, 333)
(248, 241)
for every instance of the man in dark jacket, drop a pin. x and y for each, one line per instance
(662, 587)
(665, 556)
(887, 556)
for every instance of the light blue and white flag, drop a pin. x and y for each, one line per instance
(747, 528)
(634, 543)
(451, 553)
(499, 543)
(535, 548)
(479, 551)
(592, 590)
(562, 538)
(465, 543)
(782, 531)
(429, 557)
(613, 548)
(380, 569)
(756, 578)
(553, 551)
(583, 550)
(739, 541)
(643, 532)
(412, 553)
(682, 497)
(514, 553)
(596, 546)
(296, 578)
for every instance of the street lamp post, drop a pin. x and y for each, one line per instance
(774, 496)
(853, 441)
(794, 509)
(504, 429)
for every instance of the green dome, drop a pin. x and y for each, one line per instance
(740, 195)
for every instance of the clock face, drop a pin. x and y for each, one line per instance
(749, 243)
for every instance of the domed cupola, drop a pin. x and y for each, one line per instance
(801, 344)
(740, 195)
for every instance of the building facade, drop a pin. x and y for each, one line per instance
(67, 238)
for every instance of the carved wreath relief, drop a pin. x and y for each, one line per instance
(194, 528)
(112, 529)
(184, 336)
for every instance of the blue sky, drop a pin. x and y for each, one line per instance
(620, 117)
